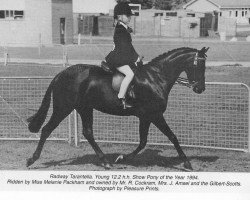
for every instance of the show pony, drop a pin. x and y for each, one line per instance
(86, 87)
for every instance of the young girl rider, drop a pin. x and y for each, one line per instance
(123, 56)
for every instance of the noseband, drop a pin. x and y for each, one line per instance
(184, 81)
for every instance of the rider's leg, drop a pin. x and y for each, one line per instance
(129, 75)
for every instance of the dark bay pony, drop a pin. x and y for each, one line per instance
(86, 87)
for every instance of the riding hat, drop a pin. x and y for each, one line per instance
(122, 8)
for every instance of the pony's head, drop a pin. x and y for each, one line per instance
(196, 71)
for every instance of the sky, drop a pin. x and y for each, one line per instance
(13, 4)
(79, 6)
(96, 6)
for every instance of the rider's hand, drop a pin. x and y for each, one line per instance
(139, 61)
(141, 58)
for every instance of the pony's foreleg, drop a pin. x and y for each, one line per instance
(143, 131)
(87, 124)
(161, 124)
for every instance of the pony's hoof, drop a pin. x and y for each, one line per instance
(188, 166)
(106, 166)
(119, 159)
(29, 162)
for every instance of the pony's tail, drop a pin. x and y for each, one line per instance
(37, 120)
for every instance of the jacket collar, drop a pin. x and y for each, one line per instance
(125, 26)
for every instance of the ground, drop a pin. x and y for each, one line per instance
(62, 156)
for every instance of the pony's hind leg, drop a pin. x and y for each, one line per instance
(161, 124)
(143, 131)
(58, 115)
(87, 124)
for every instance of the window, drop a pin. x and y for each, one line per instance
(243, 13)
(158, 14)
(171, 14)
(11, 14)
(18, 14)
(135, 8)
(190, 15)
(2, 14)
(236, 13)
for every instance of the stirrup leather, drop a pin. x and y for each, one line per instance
(125, 105)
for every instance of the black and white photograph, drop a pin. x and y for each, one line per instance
(125, 96)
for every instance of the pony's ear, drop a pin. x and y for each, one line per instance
(204, 50)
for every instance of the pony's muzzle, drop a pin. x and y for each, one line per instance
(198, 88)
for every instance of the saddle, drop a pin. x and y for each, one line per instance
(117, 80)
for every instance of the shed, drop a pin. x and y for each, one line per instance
(235, 9)
(36, 22)
(93, 16)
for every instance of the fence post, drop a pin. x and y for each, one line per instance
(90, 38)
(70, 129)
(39, 44)
(79, 39)
(65, 56)
(248, 116)
(179, 21)
(6, 56)
(76, 129)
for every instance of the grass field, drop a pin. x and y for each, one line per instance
(98, 49)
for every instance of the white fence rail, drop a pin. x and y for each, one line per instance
(218, 118)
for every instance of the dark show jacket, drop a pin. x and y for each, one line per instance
(124, 52)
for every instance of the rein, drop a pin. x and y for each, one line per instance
(183, 81)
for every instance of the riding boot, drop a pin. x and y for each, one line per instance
(125, 105)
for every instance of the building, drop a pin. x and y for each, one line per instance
(36, 22)
(93, 17)
(235, 9)
(168, 23)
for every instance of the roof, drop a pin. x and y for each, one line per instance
(225, 3)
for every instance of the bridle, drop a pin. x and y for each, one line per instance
(196, 58)
(185, 81)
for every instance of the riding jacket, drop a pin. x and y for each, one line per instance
(123, 52)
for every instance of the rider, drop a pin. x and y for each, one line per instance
(123, 56)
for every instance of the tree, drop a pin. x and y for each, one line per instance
(178, 3)
(145, 4)
(163, 4)
(158, 4)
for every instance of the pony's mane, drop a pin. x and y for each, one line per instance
(164, 55)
